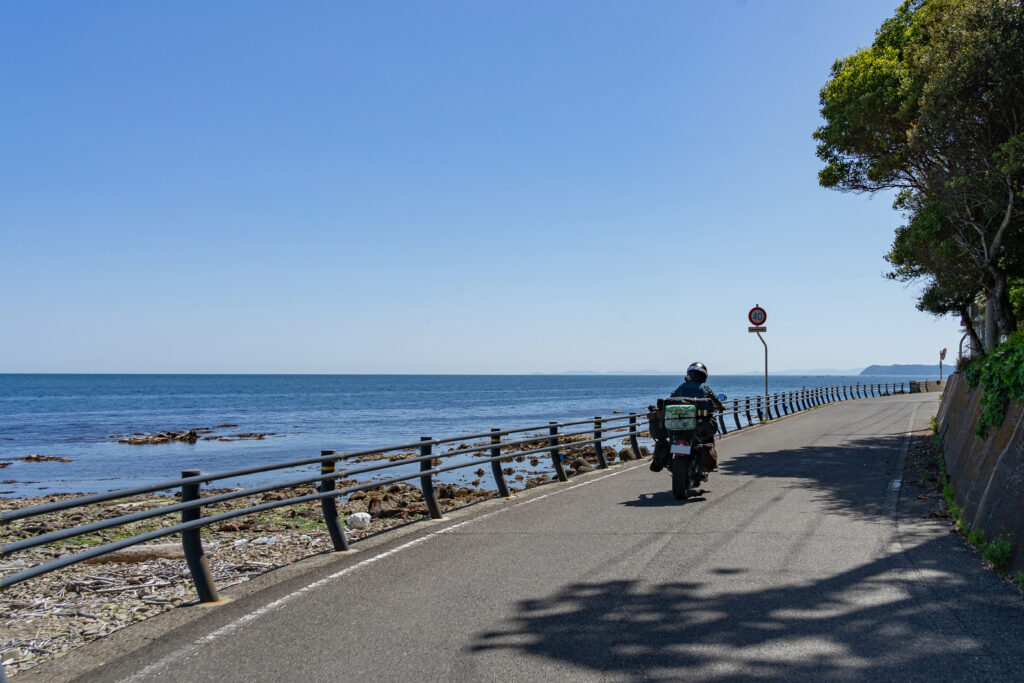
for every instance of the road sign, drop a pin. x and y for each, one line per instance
(757, 316)
(757, 329)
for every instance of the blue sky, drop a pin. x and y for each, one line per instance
(435, 187)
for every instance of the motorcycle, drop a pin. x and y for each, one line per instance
(690, 427)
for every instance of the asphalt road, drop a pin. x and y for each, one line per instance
(803, 558)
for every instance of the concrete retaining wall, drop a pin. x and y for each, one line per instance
(926, 385)
(987, 475)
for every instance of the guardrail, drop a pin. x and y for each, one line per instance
(547, 439)
(757, 409)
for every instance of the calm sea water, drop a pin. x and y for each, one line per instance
(74, 416)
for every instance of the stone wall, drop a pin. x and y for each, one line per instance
(987, 475)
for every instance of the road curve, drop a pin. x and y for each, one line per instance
(804, 558)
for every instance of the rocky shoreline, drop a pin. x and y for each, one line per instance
(47, 616)
(189, 436)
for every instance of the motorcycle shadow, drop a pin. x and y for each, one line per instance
(664, 498)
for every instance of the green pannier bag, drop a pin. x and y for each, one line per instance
(680, 418)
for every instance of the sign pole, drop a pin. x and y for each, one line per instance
(765, 365)
(757, 318)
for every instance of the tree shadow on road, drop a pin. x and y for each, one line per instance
(849, 479)
(866, 623)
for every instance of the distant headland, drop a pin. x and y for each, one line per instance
(903, 370)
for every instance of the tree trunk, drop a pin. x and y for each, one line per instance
(991, 328)
(1001, 309)
(968, 325)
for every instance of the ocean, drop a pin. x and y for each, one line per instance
(79, 417)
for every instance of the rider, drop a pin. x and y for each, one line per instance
(693, 387)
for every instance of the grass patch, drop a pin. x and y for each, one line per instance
(998, 553)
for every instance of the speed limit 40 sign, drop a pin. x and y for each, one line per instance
(757, 316)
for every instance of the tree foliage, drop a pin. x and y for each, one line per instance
(934, 109)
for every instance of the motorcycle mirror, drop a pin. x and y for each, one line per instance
(722, 397)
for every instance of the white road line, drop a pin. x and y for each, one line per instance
(892, 496)
(227, 629)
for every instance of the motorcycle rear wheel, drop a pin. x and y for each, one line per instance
(681, 476)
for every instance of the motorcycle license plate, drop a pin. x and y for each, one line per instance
(680, 449)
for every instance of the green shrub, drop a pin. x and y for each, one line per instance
(1001, 377)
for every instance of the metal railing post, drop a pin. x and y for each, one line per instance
(499, 476)
(556, 458)
(192, 544)
(749, 420)
(329, 506)
(736, 412)
(721, 422)
(427, 480)
(602, 462)
(633, 443)
(757, 409)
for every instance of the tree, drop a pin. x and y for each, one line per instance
(934, 109)
(924, 251)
